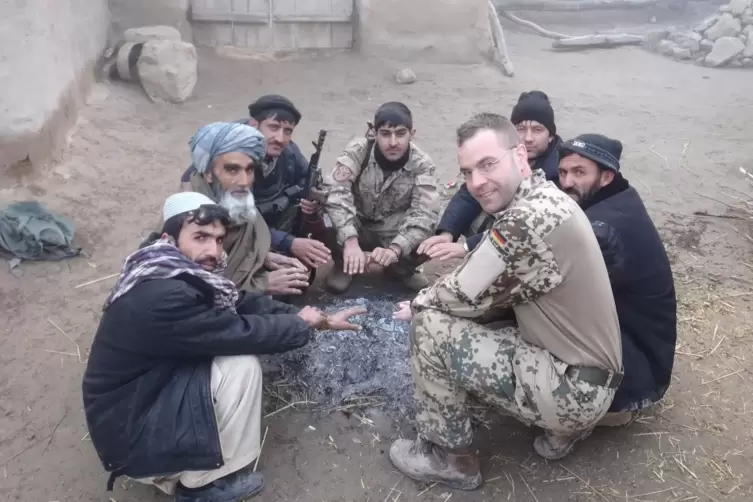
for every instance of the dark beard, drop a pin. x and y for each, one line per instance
(593, 197)
(582, 197)
(390, 165)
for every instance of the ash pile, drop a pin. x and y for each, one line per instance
(359, 369)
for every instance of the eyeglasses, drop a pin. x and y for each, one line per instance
(485, 168)
(209, 213)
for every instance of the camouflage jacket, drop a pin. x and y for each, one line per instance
(370, 197)
(542, 260)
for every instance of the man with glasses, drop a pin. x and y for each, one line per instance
(557, 365)
(172, 389)
(382, 198)
(533, 118)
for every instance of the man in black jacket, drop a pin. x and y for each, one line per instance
(639, 269)
(533, 117)
(172, 392)
(280, 182)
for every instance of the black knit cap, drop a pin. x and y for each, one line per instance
(393, 113)
(274, 102)
(603, 150)
(534, 105)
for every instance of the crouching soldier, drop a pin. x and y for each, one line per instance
(382, 198)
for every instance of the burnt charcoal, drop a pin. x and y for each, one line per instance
(338, 366)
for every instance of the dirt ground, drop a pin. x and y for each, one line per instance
(686, 131)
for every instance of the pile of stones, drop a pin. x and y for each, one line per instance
(724, 39)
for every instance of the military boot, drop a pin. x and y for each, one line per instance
(554, 447)
(338, 281)
(425, 461)
(408, 275)
(618, 419)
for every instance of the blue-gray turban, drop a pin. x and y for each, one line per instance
(219, 138)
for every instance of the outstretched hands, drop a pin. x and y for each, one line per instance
(337, 321)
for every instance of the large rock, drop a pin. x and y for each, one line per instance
(665, 47)
(706, 24)
(725, 49)
(747, 19)
(688, 40)
(168, 70)
(737, 7)
(727, 26)
(146, 33)
(706, 45)
(405, 76)
(682, 53)
(747, 30)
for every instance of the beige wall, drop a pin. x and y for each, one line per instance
(136, 13)
(47, 53)
(442, 31)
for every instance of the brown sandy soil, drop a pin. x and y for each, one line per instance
(686, 132)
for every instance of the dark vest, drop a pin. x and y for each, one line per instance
(284, 186)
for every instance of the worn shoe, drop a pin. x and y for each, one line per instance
(425, 461)
(618, 419)
(234, 487)
(338, 281)
(554, 447)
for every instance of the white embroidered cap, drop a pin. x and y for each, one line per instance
(183, 202)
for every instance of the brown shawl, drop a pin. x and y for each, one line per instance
(246, 245)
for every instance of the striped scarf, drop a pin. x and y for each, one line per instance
(163, 260)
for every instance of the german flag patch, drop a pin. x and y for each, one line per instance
(497, 239)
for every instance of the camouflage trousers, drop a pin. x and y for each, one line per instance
(373, 234)
(453, 357)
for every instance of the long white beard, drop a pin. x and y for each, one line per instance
(241, 209)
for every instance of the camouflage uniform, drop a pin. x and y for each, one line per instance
(559, 366)
(401, 208)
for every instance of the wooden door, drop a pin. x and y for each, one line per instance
(273, 24)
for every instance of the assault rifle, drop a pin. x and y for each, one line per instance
(314, 225)
(314, 182)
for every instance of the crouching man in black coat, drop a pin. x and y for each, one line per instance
(172, 391)
(638, 266)
(533, 118)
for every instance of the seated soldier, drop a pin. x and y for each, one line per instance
(638, 266)
(558, 365)
(533, 117)
(280, 180)
(225, 156)
(383, 198)
(172, 390)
